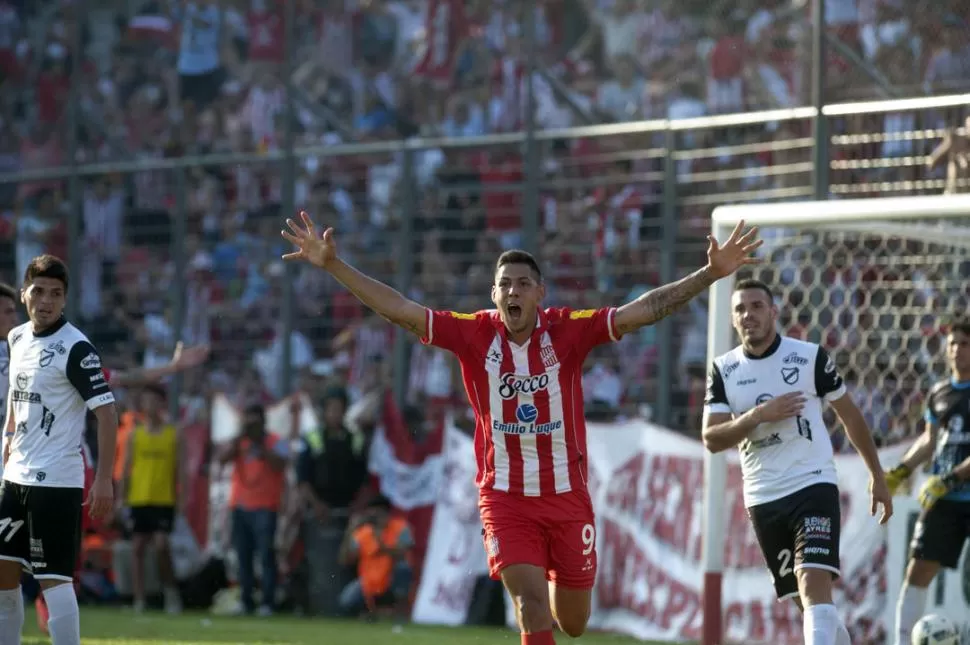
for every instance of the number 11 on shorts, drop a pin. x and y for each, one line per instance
(589, 539)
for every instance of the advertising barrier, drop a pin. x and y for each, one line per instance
(646, 484)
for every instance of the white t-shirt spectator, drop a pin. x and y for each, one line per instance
(603, 384)
(622, 103)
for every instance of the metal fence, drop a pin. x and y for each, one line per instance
(193, 241)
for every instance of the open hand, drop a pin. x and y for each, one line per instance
(781, 407)
(100, 500)
(317, 250)
(736, 252)
(879, 495)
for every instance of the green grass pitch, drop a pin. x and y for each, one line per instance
(116, 626)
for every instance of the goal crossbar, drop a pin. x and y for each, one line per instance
(882, 216)
(819, 213)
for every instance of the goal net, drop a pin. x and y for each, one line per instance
(871, 280)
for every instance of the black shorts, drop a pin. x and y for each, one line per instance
(202, 89)
(40, 527)
(940, 533)
(151, 519)
(800, 531)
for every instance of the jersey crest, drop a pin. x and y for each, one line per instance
(582, 313)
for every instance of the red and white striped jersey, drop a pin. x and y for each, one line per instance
(530, 431)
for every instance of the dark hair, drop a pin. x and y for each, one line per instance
(517, 256)
(751, 283)
(46, 266)
(380, 502)
(256, 409)
(6, 291)
(336, 392)
(157, 389)
(960, 324)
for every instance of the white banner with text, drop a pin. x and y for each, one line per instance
(647, 489)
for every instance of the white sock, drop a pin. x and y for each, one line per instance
(11, 616)
(909, 609)
(842, 635)
(821, 625)
(65, 619)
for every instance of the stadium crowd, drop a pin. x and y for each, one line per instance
(162, 79)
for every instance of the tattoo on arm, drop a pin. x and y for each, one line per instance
(663, 301)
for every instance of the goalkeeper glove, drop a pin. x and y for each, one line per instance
(936, 487)
(896, 477)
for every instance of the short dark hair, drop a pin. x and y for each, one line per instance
(255, 409)
(518, 256)
(6, 291)
(380, 502)
(751, 283)
(157, 389)
(959, 323)
(46, 266)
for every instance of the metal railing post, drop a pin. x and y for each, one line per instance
(668, 273)
(287, 202)
(75, 225)
(405, 271)
(820, 151)
(177, 293)
(530, 197)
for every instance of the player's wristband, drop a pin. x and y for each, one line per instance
(903, 470)
(950, 480)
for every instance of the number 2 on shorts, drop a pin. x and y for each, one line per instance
(589, 539)
(784, 557)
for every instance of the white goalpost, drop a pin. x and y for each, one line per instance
(869, 279)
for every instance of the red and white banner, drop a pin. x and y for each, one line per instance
(455, 556)
(647, 489)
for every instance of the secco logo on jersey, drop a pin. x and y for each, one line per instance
(91, 362)
(513, 385)
(526, 415)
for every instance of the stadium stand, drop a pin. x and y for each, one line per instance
(380, 71)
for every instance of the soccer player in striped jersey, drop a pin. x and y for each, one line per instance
(522, 368)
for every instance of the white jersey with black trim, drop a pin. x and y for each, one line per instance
(55, 378)
(778, 459)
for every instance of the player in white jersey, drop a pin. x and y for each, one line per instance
(765, 396)
(8, 320)
(55, 378)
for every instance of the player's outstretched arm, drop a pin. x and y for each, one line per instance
(184, 358)
(661, 302)
(321, 251)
